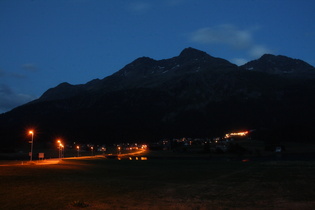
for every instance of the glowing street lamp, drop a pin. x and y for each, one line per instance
(31, 132)
(78, 148)
(103, 149)
(92, 150)
(119, 148)
(60, 148)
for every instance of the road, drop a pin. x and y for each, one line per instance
(57, 160)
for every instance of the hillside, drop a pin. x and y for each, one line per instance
(192, 94)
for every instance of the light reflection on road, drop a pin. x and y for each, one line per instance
(57, 160)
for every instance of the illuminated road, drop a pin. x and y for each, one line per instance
(57, 160)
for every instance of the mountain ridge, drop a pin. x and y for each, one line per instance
(192, 94)
(279, 64)
(189, 56)
(145, 67)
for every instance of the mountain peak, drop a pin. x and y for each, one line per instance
(267, 56)
(275, 58)
(143, 59)
(279, 64)
(192, 53)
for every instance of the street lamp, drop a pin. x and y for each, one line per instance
(31, 132)
(60, 148)
(103, 150)
(119, 148)
(62, 151)
(78, 148)
(92, 150)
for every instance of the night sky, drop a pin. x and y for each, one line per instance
(46, 42)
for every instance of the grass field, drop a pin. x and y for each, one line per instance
(165, 183)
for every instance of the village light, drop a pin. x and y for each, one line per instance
(103, 150)
(243, 133)
(31, 132)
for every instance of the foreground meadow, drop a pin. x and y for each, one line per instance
(163, 183)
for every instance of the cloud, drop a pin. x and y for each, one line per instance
(239, 61)
(7, 74)
(30, 67)
(258, 50)
(17, 75)
(232, 37)
(9, 99)
(223, 34)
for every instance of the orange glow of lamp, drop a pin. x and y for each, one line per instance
(31, 132)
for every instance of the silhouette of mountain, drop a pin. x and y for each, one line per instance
(281, 65)
(192, 95)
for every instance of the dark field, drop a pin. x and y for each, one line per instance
(161, 183)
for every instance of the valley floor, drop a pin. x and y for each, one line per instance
(159, 183)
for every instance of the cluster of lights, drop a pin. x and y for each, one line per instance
(243, 133)
(137, 158)
(136, 147)
(61, 147)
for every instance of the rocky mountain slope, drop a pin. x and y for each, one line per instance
(190, 95)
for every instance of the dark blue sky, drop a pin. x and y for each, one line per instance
(46, 42)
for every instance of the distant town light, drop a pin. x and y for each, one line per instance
(243, 133)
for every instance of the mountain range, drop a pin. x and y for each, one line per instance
(190, 95)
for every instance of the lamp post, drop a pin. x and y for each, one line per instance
(92, 150)
(59, 148)
(62, 151)
(78, 148)
(31, 132)
(103, 150)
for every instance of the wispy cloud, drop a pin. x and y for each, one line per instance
(9, 99)
(224, 34)
(258, 50)
(30, 67)
(17, 75)
(6, 74)
(239, 61)
(232, 37)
